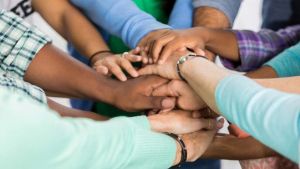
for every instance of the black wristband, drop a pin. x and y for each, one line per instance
(96, 53)
(183, 148)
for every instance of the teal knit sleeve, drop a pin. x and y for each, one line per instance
(287, 63)
(270, 116)
(32, 136)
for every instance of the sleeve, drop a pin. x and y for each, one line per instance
(256, 48)
(287, 63)
(120, 18)
(39, 137)
(229, 7)
(182, 15)
(20, 42)
(270, 116)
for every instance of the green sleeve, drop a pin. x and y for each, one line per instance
(32, 136)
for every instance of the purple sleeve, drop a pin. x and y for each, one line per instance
(256, 48)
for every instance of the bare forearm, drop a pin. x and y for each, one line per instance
(210, 17)
(72, 25)
(221, 42)
(56, 72)
(233, 148)
(69, 112)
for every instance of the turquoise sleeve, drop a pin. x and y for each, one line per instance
(270, 116)
(32, 136)
(287, 63)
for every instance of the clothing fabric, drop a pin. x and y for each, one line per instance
(287, 64)
(22, 8)
(54, 142)
(229, 7)
(270, 116)
(131, 25)
(256, 48)
(20, 43)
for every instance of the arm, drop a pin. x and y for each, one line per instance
(219, 95)
(69, 112)
(72, 25)
(215, 13)
(77, 143)
(233, 148)
(121, 18)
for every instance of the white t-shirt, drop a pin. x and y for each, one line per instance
(22, 8)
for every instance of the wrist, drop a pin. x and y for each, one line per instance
(99, 55)
(157, 124)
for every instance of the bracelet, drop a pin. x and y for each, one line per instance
(96, 53)
(182, 60)
(183, 148)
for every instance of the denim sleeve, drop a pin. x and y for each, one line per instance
(229, 7)
(121, 18)
(270, 116)
(287, 63)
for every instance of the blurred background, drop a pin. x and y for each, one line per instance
(249, 18)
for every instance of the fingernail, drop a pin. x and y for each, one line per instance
(220, 123)
(160, 62)
(167, 103)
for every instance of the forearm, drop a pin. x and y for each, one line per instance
(72, 25)
(210, 17)
(56, 72)
(69, 112)
(233, 148)
(221, 42)
(77, 142)
(222, 11)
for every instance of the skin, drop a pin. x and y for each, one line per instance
(71, 24)
(203, 17)
(94, 86)
(199, 67)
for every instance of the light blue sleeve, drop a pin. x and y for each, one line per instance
(229, 7)
(32, 136)
(182, 14)
(270, 116)
(287, 63)
(121, 18)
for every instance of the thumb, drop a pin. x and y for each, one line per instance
(161, 103)
(102, 69)
(148, 70)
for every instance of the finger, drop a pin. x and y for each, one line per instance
(208, 124)
(145, 57)
(168, 50)
(196, 114)
(171, 107)
(133, 58)
(101, 69)
(127, 66)
(116, 70)
(164, 90)
(135, 51)
(159, 45)
(152, 102)
(148, 70)
(199, 51)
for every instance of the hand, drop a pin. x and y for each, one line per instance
(187, 99)
(161, 47)
(108, 63)
(181, 122)
(167, 70)
(147, 42)
(196, 144)
(135, 94)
